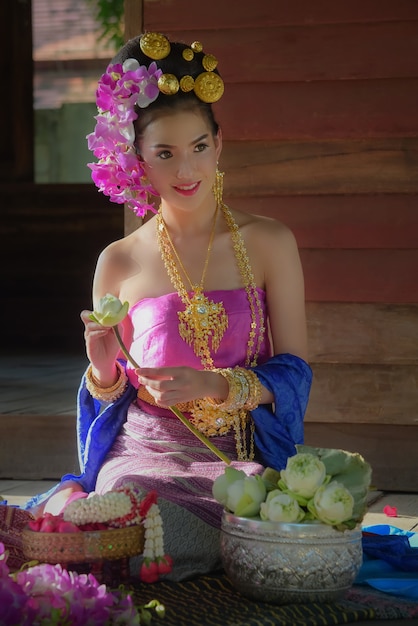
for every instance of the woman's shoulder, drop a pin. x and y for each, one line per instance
(122, 257)
(116, 252)
(263, 229)
(121, 251)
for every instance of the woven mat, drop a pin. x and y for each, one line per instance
(212, 601)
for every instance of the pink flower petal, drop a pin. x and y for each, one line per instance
(390, 511)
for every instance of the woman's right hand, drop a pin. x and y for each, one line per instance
(102, 347)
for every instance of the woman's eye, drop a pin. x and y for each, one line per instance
(165, 154)
(201, 147)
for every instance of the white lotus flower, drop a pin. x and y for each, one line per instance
(110, 311)
(332, 504)
(222, 483)
(246, 495)
(303, 475)
(281, 507)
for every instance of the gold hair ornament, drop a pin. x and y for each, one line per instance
(209, 62)
(186, 83)
(155, 45)
(188, 54)
(207, 86)
(168, 84)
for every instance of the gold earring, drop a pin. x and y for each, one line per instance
(218, 187)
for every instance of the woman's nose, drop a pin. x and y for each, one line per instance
(185, 168)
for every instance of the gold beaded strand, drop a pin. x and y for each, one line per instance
(210, 417)
(203, 322)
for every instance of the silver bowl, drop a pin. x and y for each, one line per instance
(289, 563)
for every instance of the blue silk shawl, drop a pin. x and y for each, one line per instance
(278, 427)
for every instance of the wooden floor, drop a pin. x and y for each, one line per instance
(40, 384)
(38, 400)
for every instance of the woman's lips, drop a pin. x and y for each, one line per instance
(187, 190)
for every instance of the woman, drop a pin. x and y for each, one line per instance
(217, 315)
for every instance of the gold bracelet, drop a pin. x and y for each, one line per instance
(237, 393)
(256, 390)
(244, 389)
(106, 394)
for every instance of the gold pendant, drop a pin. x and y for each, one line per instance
(203, 323)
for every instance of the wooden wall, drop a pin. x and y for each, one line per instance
(51, 236)
(16, 110)
(320, 122)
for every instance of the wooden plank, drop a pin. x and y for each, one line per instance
(48, 279)
(331, 275)
(313, 52)
(405, 504)
(133, 18)
(16, 150)
(364, 394)
(46, 319)
(163, 15)
(385, 276)
(391, 450)
(84, 196)
(326, 109)
(340, 221)
(350, 166)
(37, 447)
(19, 492)
(40, 384)
(362, 333)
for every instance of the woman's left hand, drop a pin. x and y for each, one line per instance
(171, 385)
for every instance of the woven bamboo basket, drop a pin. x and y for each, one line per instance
(83, 547)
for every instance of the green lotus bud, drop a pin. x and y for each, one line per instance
(245, 496)
(281, 507)
(222, 483)
(110, 311)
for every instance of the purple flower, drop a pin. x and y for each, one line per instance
(13, 599)
(13, 604)
(118, 173)
(49, 594)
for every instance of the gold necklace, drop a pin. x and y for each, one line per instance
(206, 416)
(203, 322)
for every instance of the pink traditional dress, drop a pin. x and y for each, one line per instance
(156, 451)
(132, 440)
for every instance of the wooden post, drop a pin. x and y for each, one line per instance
(16, 110)
(134, 20)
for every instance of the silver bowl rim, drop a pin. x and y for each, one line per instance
(310, 528)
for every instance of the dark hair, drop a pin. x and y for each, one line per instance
(175, 64)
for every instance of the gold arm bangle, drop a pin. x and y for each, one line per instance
(106, 394)
(255, 392)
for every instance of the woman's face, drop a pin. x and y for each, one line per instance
(180, 155)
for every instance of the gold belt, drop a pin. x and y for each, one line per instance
(144, 394)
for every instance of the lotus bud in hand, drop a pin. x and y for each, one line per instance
(110, 311)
